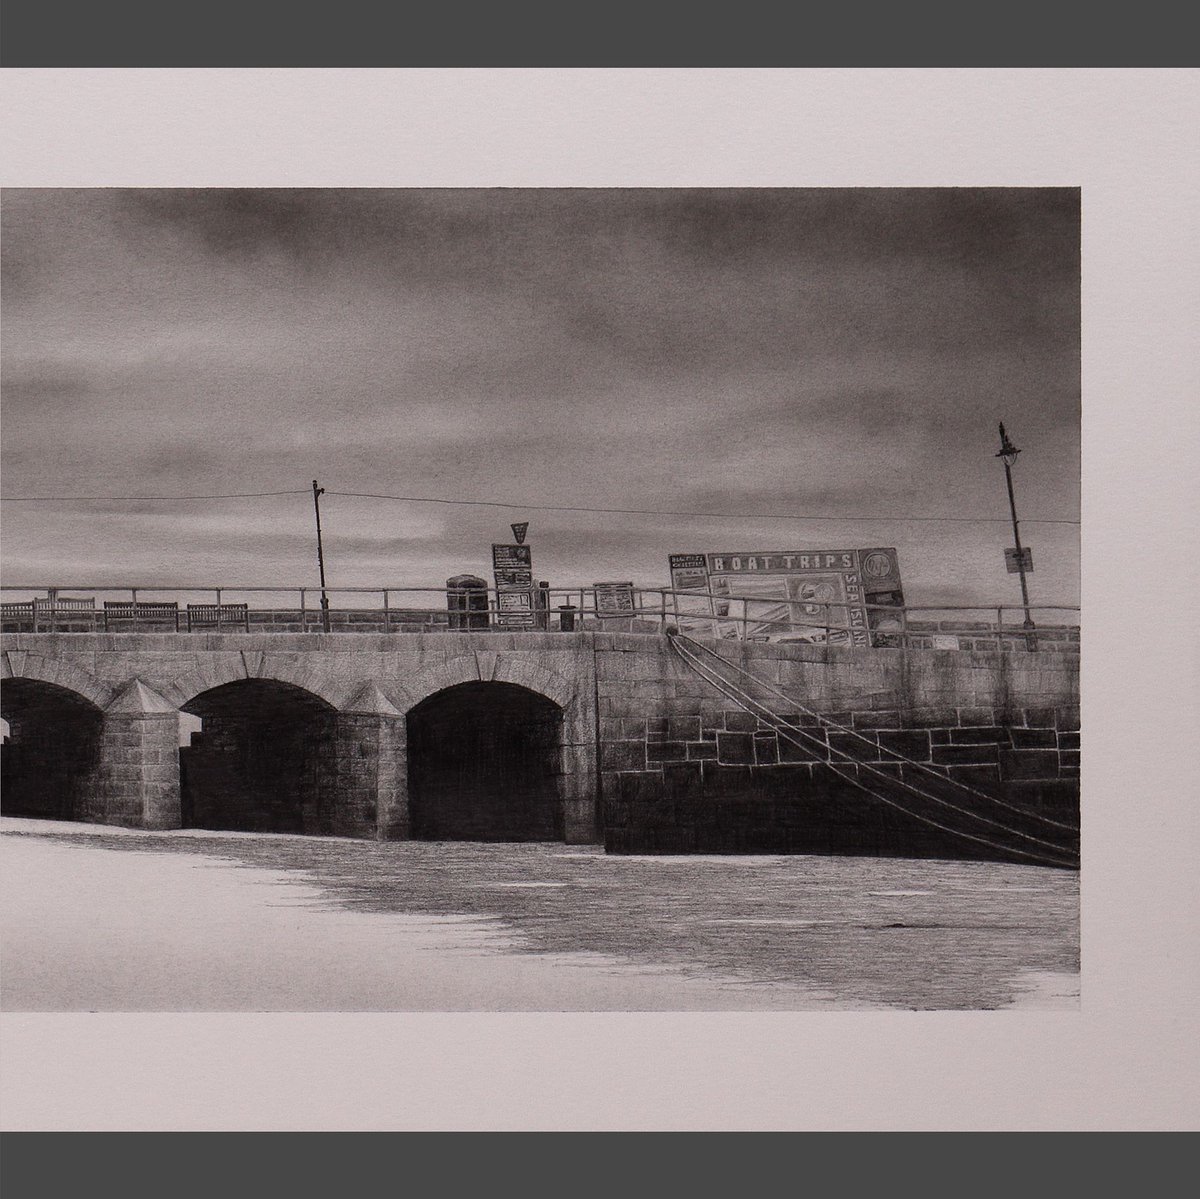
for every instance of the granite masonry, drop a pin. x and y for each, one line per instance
(310, 732)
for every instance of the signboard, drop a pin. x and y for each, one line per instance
(512, 562)
(1014, 566)
(516, 609)
(512, 566)
(820, 596)
(614, 599)
(689, 572)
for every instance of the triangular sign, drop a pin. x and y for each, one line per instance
(519, 530)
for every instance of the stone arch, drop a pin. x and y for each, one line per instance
(484, 667)
(58, 673)
(237, 667)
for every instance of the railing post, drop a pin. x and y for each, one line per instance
(825, 606)
(133, 592)
(303, 611)
(387, 616)
(218, 591)
(1000, 629)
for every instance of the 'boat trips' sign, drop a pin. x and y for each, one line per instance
(821, 596)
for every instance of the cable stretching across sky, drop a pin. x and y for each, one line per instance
(518, 506)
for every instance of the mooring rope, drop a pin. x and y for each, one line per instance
(927, 767)
(779, 723)
(736, 696)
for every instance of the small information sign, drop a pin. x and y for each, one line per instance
(512, 566)
(1014, 566)
(614, 599)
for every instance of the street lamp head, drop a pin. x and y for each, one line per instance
(1008, 451)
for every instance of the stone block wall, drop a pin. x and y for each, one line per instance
(138, 771)
(367, 796)
(333, 775)
(683, 769)
(652, 758)
(257, 775)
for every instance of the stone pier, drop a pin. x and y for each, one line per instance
(585, 737)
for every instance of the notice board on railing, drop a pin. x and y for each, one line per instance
(818, 596)
(614, 600)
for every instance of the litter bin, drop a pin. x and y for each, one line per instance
(566, 617)
(467, 602)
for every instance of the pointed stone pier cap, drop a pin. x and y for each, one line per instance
(370, 701)
(136, 699)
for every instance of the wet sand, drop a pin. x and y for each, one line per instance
(99, 919)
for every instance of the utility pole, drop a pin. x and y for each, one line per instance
(1008, 454)
(317, 493)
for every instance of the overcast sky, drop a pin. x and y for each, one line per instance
(798, 352)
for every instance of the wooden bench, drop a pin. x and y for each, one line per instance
(119, 612)
(203, 616)
(18, 614)
(64, 610)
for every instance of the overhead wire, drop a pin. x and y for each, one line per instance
(424, 499)
(140, 499)
(519, 506)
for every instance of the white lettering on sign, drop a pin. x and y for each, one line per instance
(851, 572)
(777, 562)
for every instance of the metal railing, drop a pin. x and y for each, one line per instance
(404, 609)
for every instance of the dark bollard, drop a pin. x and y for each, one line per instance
(541, 607)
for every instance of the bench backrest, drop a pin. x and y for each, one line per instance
(126, 608)
(65, 603)
(217, 613)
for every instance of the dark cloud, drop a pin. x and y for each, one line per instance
(740, 351)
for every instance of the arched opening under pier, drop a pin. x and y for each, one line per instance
(49, 760)
(261, 761)
(484, 764)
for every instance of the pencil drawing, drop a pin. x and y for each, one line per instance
(545, 599)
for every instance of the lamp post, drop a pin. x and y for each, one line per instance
(1008, 454)
(317, 493)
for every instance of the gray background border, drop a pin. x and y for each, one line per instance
(367, 33)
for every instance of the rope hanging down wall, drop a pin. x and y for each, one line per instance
(894, 790)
